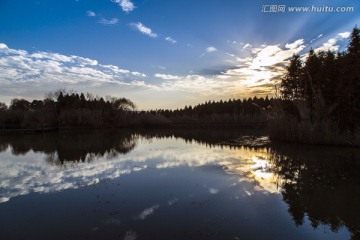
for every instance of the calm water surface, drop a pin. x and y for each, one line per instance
(175, 185)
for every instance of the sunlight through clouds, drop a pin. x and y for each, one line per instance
(164, 55)
(255, 71)
(265, 65)
(53, 69)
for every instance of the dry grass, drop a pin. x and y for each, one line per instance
(287, 128)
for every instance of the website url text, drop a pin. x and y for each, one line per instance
(310, 9)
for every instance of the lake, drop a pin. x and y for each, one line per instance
(175, 184)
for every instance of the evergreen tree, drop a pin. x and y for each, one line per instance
(329, 83)
(349, 84)
(291, 87)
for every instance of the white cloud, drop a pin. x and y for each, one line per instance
(202, 87)
(109, 22)
(344, 35)
(332, 43)
(295, 44)
(26, 74)
(3, 46)
(6, 50)
(170, 39)
(329, 45)
(32, 74)
(318, 37)
(264, 66)
(211, 49)
(143, 29)
(126, 5)
(115, 69)
(90, 13)
(138, 74)
(167, 76)
(84, 61)
(52, 56)
(271, 55)
(147, 212)
(230, 54)
(213, 190)
(248, 45)
(161, 67)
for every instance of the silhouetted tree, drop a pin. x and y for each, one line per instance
(328, 83)
(3, 107)
(292, 86)
(19, 105)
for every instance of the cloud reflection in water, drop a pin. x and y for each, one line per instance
(21, 175)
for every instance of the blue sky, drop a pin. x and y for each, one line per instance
(158, 53)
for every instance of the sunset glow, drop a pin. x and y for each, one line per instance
(160, 54)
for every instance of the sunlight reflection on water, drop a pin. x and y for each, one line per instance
(194, 187)
(28, 173)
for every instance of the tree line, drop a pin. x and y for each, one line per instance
(67, 109)
(221, 112)
(70, 109)
(326, 85)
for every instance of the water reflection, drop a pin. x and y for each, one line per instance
(321, 184)
(71, 146)
(72, 160)
(318, 184)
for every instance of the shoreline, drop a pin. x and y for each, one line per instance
(255, 128)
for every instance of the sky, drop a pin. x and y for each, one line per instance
(162, 53)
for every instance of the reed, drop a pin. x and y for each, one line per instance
(287, 128)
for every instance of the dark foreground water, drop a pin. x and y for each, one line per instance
(175, 185)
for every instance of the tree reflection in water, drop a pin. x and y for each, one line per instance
(79, 146)
(319, 183)
(322, 183)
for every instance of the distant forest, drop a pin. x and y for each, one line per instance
(86, 110)
(317, 101)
